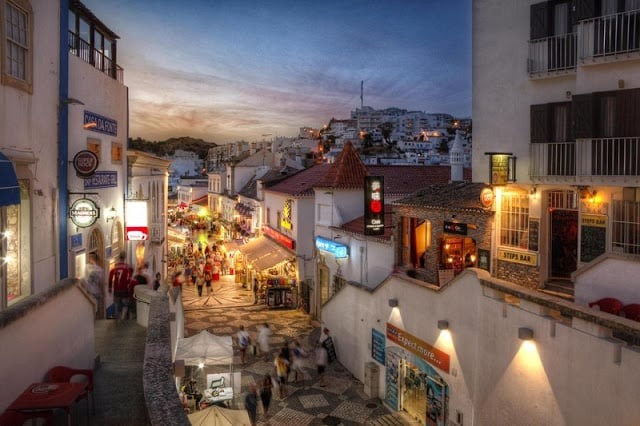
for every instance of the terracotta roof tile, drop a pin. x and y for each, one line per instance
(356, 226)
(452, 196)
(301, 183)
(347, 172)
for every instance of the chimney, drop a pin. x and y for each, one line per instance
(456, 158)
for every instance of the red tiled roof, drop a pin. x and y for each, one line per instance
(301, 183)
(347, 172)
(404, 180)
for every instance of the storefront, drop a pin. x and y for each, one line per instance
(413, 383)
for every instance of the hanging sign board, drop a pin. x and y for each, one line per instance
(85, 163)
(84, 213)
(374, 205)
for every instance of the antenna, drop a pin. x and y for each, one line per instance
(361, 94)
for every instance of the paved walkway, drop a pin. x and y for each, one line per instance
(341, 402)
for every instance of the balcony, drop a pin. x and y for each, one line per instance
(552, 55)
(83, 50)
(608, 159)
(609, 38)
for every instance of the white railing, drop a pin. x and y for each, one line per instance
(606, 37)
(600, 157)
(552, 54)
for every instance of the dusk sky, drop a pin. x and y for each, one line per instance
(228, 70)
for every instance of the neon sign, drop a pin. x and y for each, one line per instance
(338, 250)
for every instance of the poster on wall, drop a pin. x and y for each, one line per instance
(378, 344)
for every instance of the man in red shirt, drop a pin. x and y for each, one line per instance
(119, 281)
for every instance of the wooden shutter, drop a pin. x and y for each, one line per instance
(539, 20)
(540, 129)
(582, 113)
(628, 113)
(585, 9)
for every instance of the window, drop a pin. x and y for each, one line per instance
(15, 270)
(415, 242)
(116, 153)
(626, 223)
(94, 145)
(514, 220)
(16, 49)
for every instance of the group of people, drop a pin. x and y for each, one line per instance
(289, 359)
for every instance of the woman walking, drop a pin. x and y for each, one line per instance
(265, 393)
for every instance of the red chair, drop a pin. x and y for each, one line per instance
(61, 374)
(631, 311)
(608, 304)
(18, 418)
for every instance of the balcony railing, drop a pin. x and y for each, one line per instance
(552, 54)
(610, 37)
(98, 59)
(586, 158)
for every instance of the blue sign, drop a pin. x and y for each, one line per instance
(336, 249)
(378, 345)
(100, 124)
(102, 179)
(76, 240)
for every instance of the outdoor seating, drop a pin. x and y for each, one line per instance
(608, 304)
(631, 311)
(61, 374)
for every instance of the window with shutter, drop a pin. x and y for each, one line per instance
(540, 123)
(582, 108)
(539, 20)
(585, 9)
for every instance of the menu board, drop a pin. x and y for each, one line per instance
(534, 233)
(378, 345)
(331, 350)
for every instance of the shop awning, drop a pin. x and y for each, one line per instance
(263, 253)
(9, 188)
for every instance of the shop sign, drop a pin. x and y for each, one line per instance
(374, 205)
(486, 197)
(136, 221)
(594, 220)
(378, 346)
(278, 237)
(76, 241)
(85, 163)
(455, 228)
(432, 355)
(514, 256)
(338, 250)
(84, 212)
(102, 179)
(499, 168)
(97, 123)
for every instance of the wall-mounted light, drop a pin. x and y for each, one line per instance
(568, 94)
(534, 190)
(111, 214)
(443, 325)
(525, 333)
(393, 302)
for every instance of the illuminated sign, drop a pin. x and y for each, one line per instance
(455, 228)
(595, 220)
(278, 237)
(100, 124)
(522, 257)
(336, 249)
(373, 205)
(502, 167)
(136, 221)
(285, 222)
(84, 212)
(85, 163)
(432, 355)
(487, 197)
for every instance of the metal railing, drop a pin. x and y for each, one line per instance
(552, 54)
(598, 157)
(606, 37)
(83, 50)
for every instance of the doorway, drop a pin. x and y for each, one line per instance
(564, 243)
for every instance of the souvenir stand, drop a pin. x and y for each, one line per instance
(280, 292)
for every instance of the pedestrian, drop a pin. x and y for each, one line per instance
(251, 404)
(297, 355)
(285, 351)
(266, 393)
(119, 281)
(94, 279)
(255, 291)
(199, 283)
(282, 370)
(194, 273)
(208, 276)
(324, 336)
(243, 342)
(263, 340)
(157, 281)
(322, 359)
(176, 284)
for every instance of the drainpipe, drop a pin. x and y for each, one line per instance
(63, 142)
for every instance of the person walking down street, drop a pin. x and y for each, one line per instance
(285, 351)
(243, 341)
(263, 340)
(208, 276)
(255, 291)
(157, 282)
(199, 283)
(266, 393)
(94, 278)
(282, 369)
(322, 359)
(297, 355)
(251, 404)
(119, 281)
